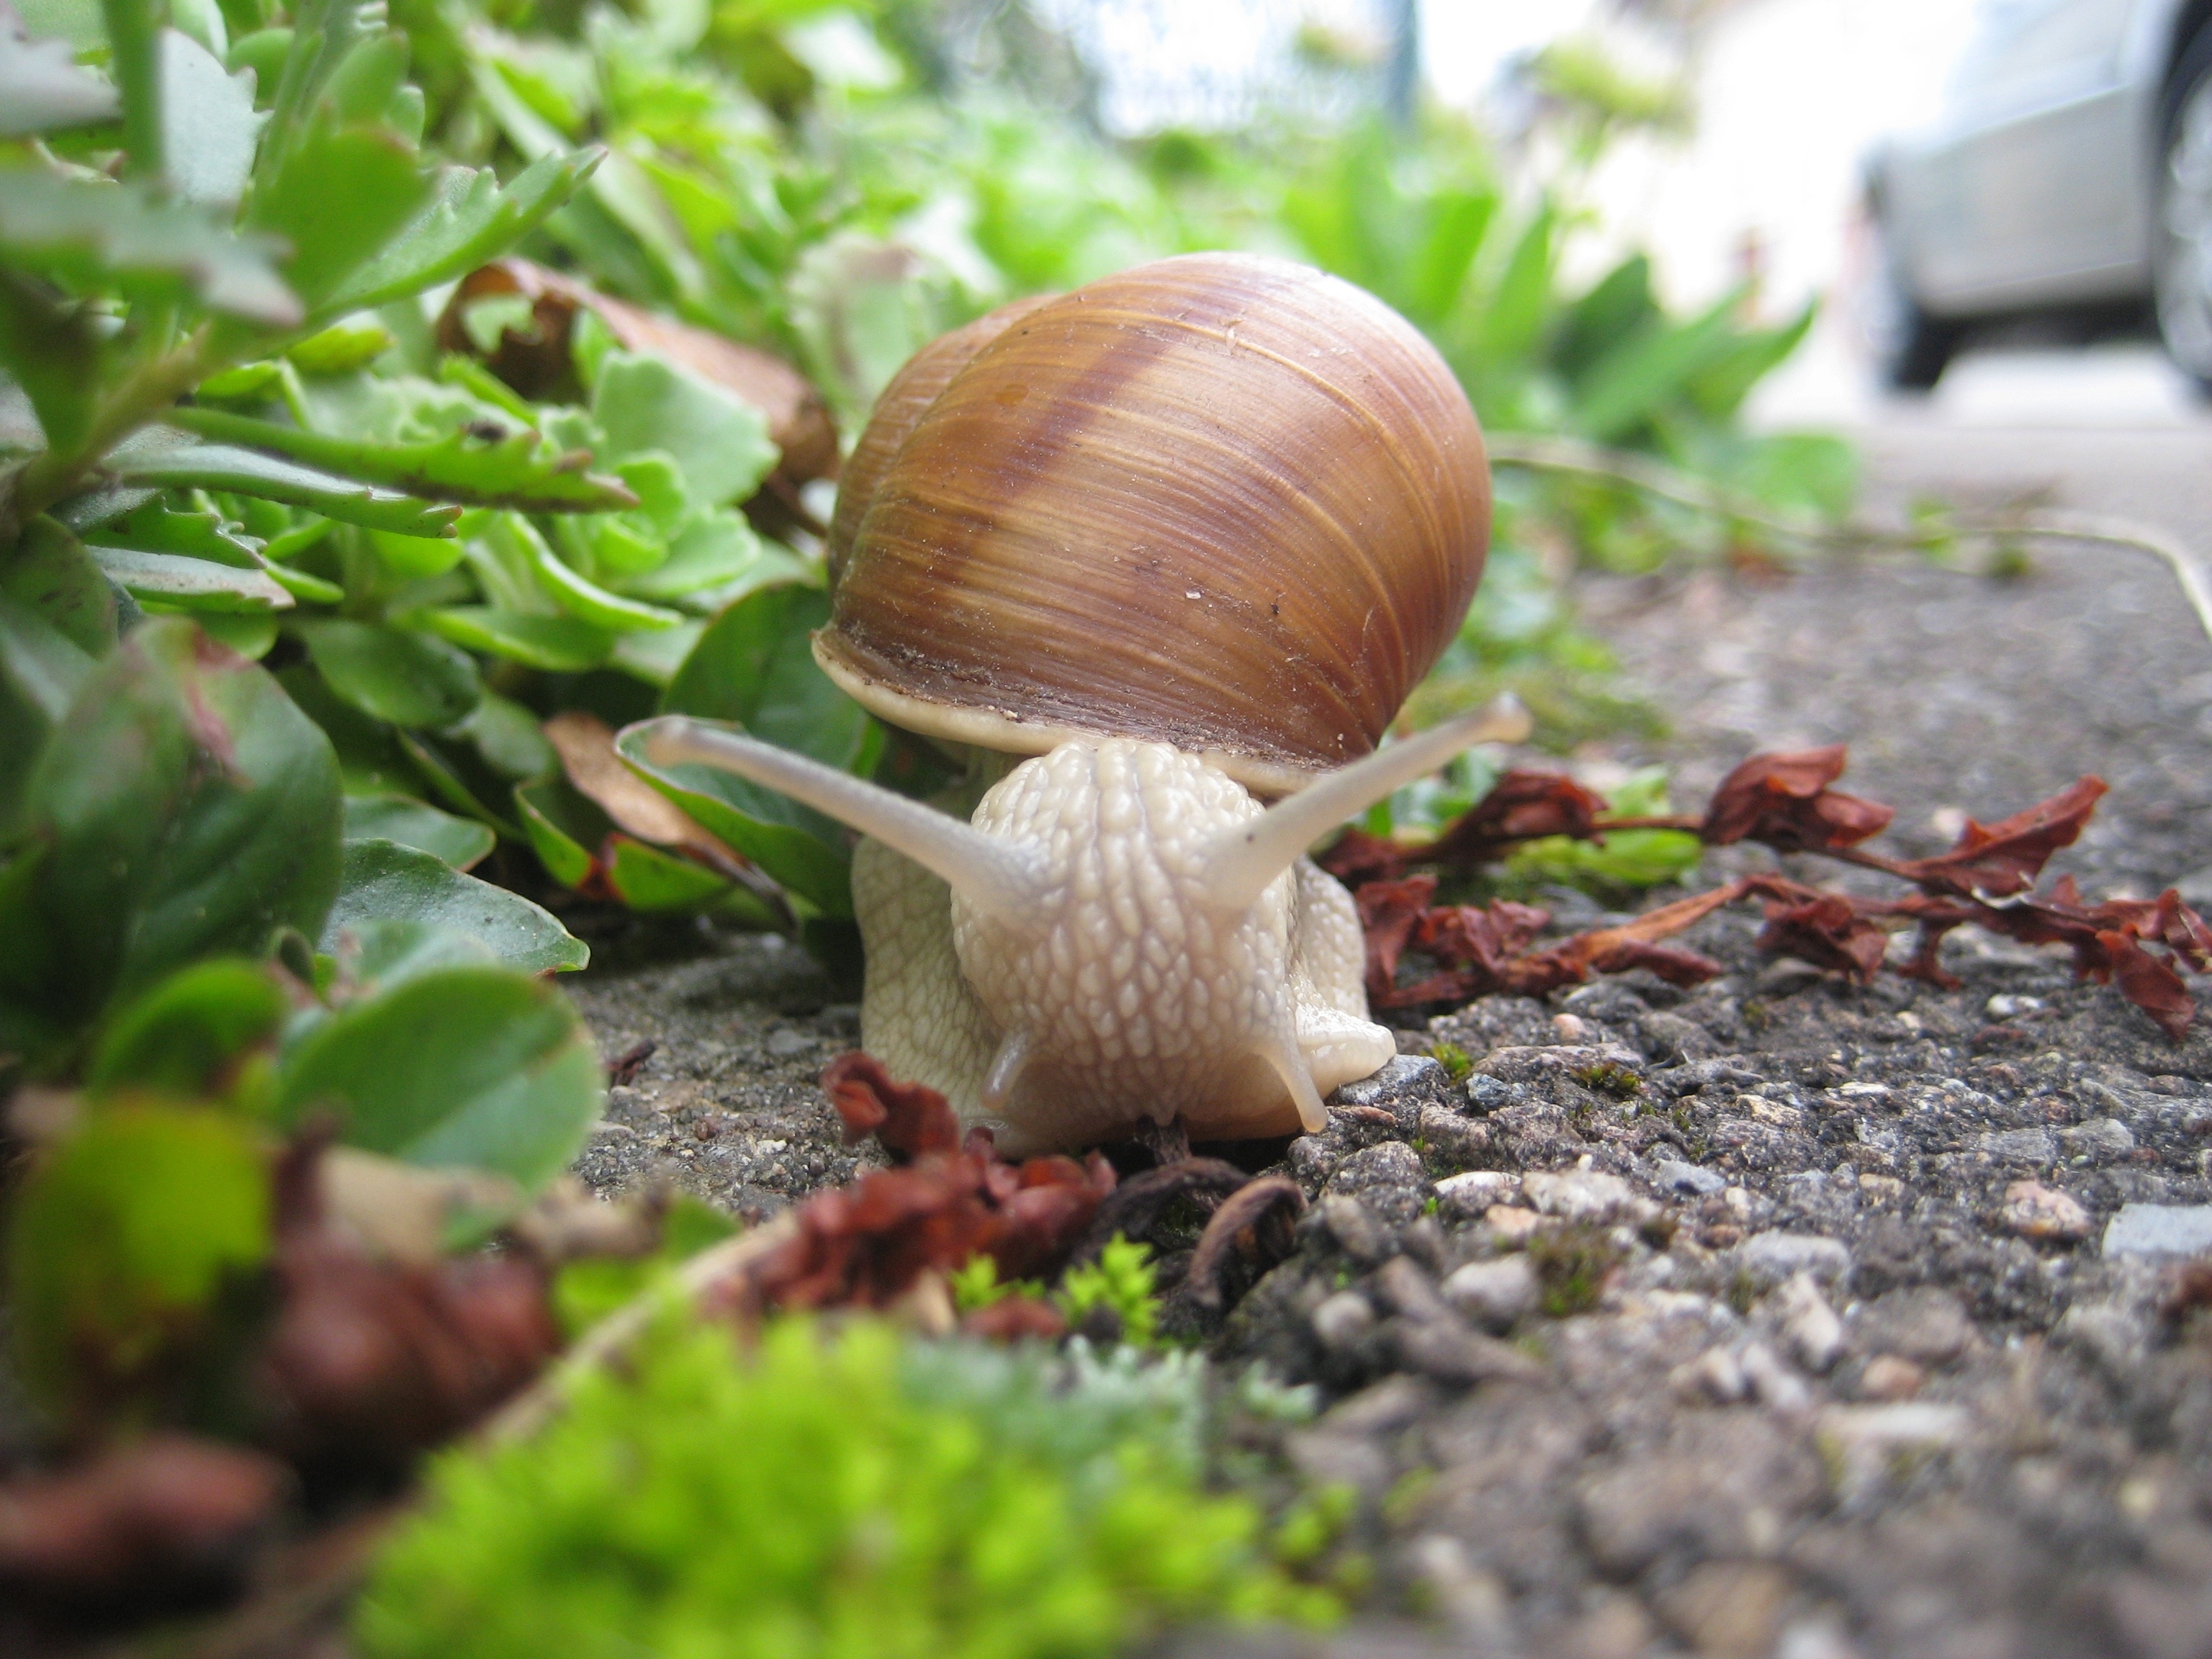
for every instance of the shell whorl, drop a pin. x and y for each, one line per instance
(1223, 501)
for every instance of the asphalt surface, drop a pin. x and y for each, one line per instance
(1780, 1318)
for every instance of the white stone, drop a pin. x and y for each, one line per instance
(1471, 1193)
(1676, 1175)
(1496, 1293)
(1810, 1327)
(2158, 1230)
(1772, 1257)
(1586, 1195)
(1343, 1319)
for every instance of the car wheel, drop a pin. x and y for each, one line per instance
(2182, 269)
(1911, 348)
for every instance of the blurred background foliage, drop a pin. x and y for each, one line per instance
(835, 185)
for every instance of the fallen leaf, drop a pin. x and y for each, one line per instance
(1783, 801)
(2006, 857)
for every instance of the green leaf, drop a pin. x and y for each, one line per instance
(158, 527)
(183, 808)
(505, 733)
(88, 233)
(472, 219)
(338, 195)
(53, 351)
(460, 842)
(369, 761)
(170, 582)
(475, 1069)
(52, 574)
(562, 832)
(755, 667)
(589, 602)
(1641, 376)
(384, 953)
(711, 552)
(1520, 304)
(387, 882)
(340, 348)
(559, 645)
(121, 1245)
(223, 466)
(804, 852)
(393, 673)
(252, 635)
(208, 125)
(42, 89)
(719, 442)
(40, 670)
(575, 839)
(480, 465)
(185, 1036)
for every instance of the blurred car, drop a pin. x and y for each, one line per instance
(2068, 177)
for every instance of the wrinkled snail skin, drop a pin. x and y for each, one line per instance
(1122, 933)
(1188, 536)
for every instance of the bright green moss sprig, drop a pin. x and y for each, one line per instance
(839, 1496)
(1121, 1279)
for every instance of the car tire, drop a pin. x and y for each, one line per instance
(2181, 266)
(1911, 347)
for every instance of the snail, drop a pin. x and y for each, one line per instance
(1186, 537)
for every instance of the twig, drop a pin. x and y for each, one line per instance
(1574, 458)
(538, 1405)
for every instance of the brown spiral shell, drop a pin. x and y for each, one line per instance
(1223, 501)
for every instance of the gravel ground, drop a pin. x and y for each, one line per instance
(1778, 1318)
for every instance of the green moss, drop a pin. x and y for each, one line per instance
(853, 1495)
(1572, 1264)
(1121, 1279)
(1607, 1078)
(1455, 1060)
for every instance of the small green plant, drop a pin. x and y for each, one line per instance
(977, 1285)
(1607, 1078)
(1572, 1264)
(1458, 1064)
(1122, 1280)
(849, 1495)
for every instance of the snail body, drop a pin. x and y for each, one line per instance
(1186, 537)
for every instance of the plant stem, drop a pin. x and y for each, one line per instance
(1568, 457)
(152, 388)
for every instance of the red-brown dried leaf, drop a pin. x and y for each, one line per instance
(1827, 932)
(1388, 913)
(910, 1119)
(1520, 806)
(144, 1522)
(865, 1244)
(2150, 981)
(1784, 801)
(370, 1360)
(2005, 858)
(1670, 963)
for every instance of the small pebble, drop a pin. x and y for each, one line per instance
(1470, 1194)
(1778, 1387)
(2035, 1210)
(1496, 1293)
(1510, 1224)
(2157, 1229)
(1577, 1195)
(1343, 1319)
(1810, 1327)
(783, 1042)
(1571, 1028)
(1713, 1376)
(2101, 1139)
(1679, 1177)
(1772, 1257)
(1890, 1376)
